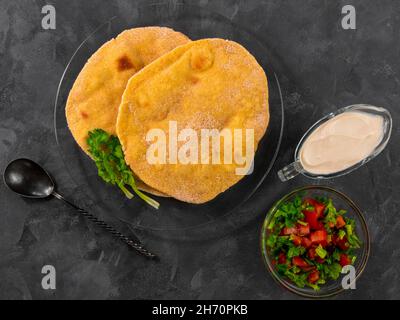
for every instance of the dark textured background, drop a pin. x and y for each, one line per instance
(323, 68)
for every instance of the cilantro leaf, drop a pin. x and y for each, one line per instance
(295, 251)
(107, 153)
(271, 241)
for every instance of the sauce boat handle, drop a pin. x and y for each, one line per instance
(290, 171)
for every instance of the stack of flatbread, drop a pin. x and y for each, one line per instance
(147, 78)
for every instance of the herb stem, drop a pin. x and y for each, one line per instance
(127, 193)
(145, 198)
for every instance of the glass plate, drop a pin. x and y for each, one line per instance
(174, 218)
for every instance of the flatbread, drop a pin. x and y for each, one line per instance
(205, 84)
(96, 94)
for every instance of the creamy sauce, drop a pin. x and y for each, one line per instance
(341, 142)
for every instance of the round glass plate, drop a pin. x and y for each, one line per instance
(174, 218)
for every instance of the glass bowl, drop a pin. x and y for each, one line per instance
(293, 169)
(341, 201)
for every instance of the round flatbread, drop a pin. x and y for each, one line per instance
(205, 84)
(96, 94)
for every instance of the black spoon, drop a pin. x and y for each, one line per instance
(29, 179)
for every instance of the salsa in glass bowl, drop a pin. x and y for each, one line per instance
(310, 237)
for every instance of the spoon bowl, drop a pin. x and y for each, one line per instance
(28, 179)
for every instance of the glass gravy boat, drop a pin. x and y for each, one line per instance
(293, 169)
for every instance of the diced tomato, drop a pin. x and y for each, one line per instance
(320, 260)
(312, 218)
(319, 209)
(296, 240)
(273, 262)
(344, 260)
(303, 230)
(311, 253)
(313, 276)
(300, 262)
(331, 224)
(305, 242)
(340, 223)
(310, 201)
(288, 231)
(320, 226)
(309, 268)
(319, 237)
(343, 244)
(282, 258)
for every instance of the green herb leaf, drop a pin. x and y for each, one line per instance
(333, 270)
(295, 251)
(107, 153)
(349, 229)
(299, 279)
(341, 234)
(321, 252)
(336, 255)
(314, 286)
(354, 241)
(302, 223)
(271, 241)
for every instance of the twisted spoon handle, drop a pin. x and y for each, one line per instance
(133, 244)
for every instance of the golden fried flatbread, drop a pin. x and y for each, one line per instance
(205, 84)
(96, 94)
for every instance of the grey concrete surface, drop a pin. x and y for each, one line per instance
(323, 67)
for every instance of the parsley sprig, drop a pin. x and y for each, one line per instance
(107, 153)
